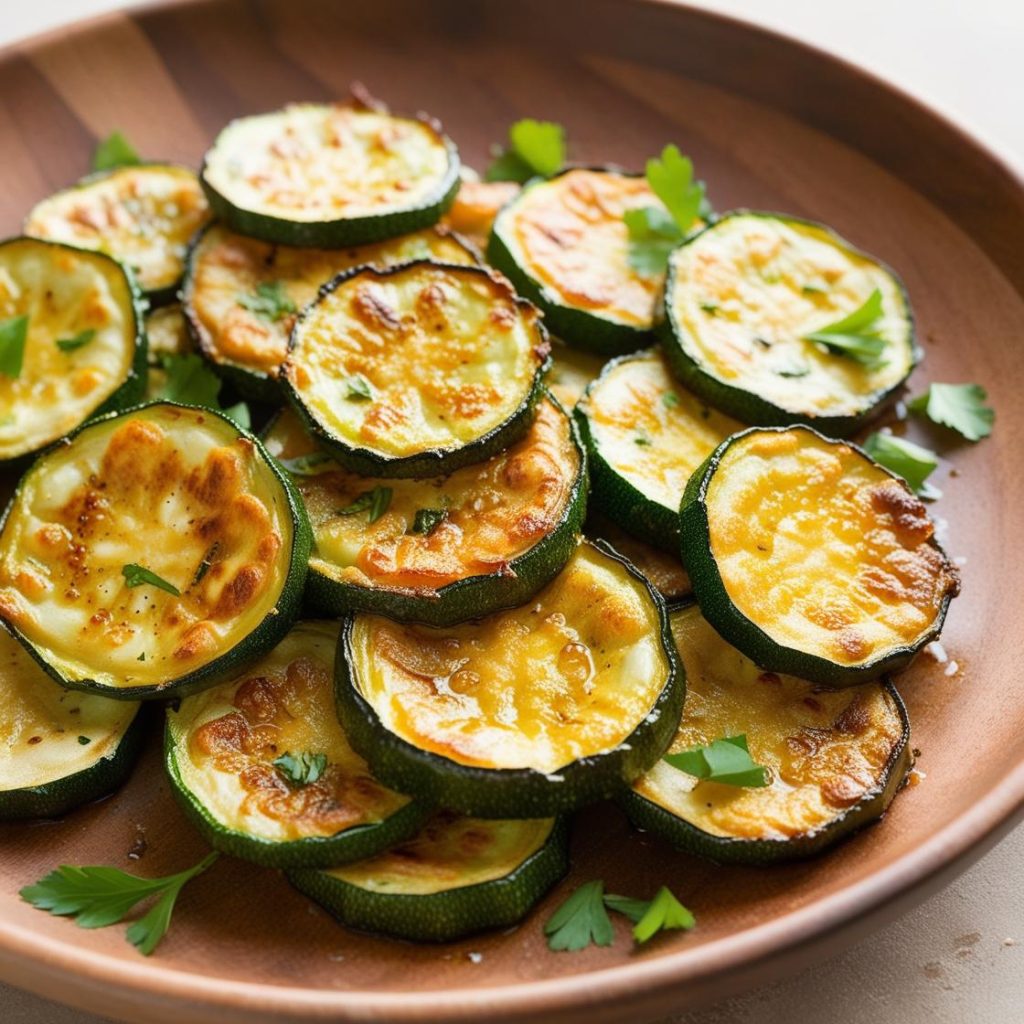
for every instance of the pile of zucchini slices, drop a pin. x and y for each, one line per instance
(465, 577)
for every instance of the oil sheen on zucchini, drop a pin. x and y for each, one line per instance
(446, 549)
(565, 246)
(812, 559)
(173, 491)
(457, 876)
(416, 370)
(220, 749)
(74, 296)
(330, 175)
(58, 748)
(740, 300)
(528, 712)
(142, 215)
(835, 758)
(645, 435)
(244, 336)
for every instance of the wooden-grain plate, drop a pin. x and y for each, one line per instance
(771, 124)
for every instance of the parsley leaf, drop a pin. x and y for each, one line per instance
(312, 464)
(191, 382)
(138, 576)
(239, 412)
(270, 301)
(80, 339)
(726, 761)
(627, 906)
(376, 502)
(854, 336)
(358, 387)
(671, 179)
(653, 234)
(301, 769)
(670, 399)
(114, 151)
(84, 741)
(580, 921)
(662, 913)
(961, 407)
(426, 519)
(13, 334)
(906, 459)
(99, 896)
(534, 148)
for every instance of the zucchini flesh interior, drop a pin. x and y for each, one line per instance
(226, 271)
(571, 372)
(221, 748)
(181, 492)
(65, 292)
(823, 554)
(452, 359)
(743, 295)
(835, 758)
(491, 515)
(142, 215)
(58, 748)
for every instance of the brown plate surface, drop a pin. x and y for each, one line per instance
(771, 124)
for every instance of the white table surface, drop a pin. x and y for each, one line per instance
(959, 958)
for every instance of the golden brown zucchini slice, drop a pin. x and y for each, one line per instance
(571, 372)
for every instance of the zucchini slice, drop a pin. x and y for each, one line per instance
(220, 751)
(458, 876)
(812, 559)
(663, 570)
(168, 335)
(571, 371)
(58, 749)
(645, 435)
(330, 175)
(476, 204)
(152, 554)
(564, 245)
(528, 712)
(448, 549)
(143, 216)
(740, 300)
(241, 295)
(87, 301)
(416, 370)
(835, 758)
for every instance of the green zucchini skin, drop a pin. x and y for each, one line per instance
(740, 631)
(450, 914)
(265, 636)
(431, 462)
(748, 406)
(511, 792)
(52, 799)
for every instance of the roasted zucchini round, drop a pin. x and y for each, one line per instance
(645, 435)
(529, 712)
(743, 298)
(58, 749)
(263, 769)
(812, 559)
(416, 370)
(476, 204)
(242, 296)
(152, 554)
(444, 550)
(74, 341)
(330, 175)
(458, 876)
(142, 215)
(564, 245)
(835, 758)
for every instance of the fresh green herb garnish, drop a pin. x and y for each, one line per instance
(814, 288)
(653, 234)
(270, 301)
(137, 576)
(99, 896)
(84, 741)
(961, 407)
(534, 148)
(376, 502)
(855, 336)
(709, 307)
(664, 912)
(239, 413)
(204, 565)
(580, 921)
(642, 440)
(426, 519)
(793, 371)
(313, 464)
(358, 387)
(301, 769)
(141, 657)
(906, 459)
(114, 151)
(726, 760)
(191, 382)
(670, 399)
(13, 334)
(80, 339)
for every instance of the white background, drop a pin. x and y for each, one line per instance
(958, 959)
